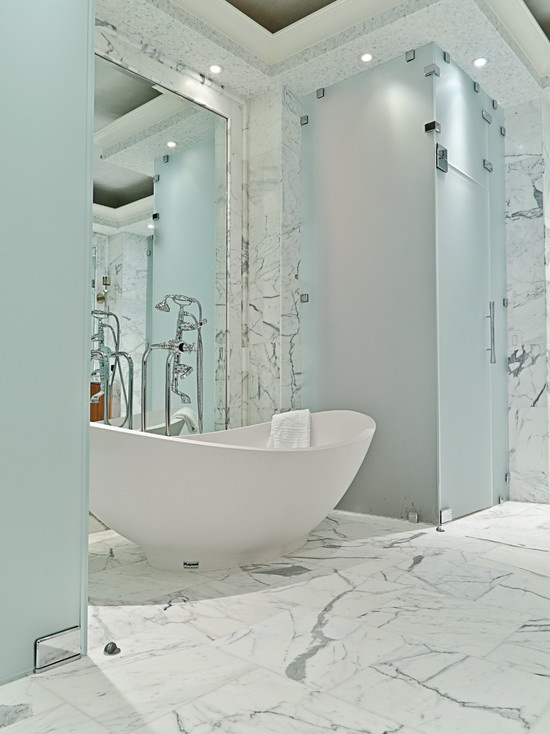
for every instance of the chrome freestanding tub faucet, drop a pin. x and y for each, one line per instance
(175, 369)
(104, 354)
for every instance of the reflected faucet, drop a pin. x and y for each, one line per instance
(175, 369)
(182, 302)
(107, 372)
(163, 306)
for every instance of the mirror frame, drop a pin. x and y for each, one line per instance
(196, 88)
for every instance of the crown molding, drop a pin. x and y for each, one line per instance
(341, 15)
(123, 216)
(274, 47)
(520, 23)
(142, 118)
(326, 22)
(233, 24)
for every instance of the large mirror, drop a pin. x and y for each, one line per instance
(159, 229)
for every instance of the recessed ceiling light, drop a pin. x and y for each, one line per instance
(150, 226)
(215, 69)
(480, 61)
(366, 58)
(171, 144)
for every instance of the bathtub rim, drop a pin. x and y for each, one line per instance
(365, 433)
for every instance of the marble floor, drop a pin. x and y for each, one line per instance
(375, 626)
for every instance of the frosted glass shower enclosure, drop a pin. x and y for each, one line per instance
(46, 191)
(404, 265)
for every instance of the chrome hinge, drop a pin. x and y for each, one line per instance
(433, 126)
(432, 70)
(445, 515)
(441, 161)
(53, 650)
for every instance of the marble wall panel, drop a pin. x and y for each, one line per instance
(263, 265)
(527, 313)
(274, 187)
(220, 284)
(291, 366)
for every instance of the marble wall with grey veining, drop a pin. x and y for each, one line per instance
(527, 312)
(273, 256)
(291, 222)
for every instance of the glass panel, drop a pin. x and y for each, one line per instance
(45, 202)
(464, 336)
(459, 110)
(369, 338)
(499, 371)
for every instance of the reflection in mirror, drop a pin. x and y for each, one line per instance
(159, 229)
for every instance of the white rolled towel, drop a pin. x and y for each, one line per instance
(189, 416)
(290, 430)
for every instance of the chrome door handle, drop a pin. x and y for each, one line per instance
(491, 318)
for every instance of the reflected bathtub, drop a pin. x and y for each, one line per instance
(156, 422)
(222, 499)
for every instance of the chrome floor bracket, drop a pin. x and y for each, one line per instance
(57, 649)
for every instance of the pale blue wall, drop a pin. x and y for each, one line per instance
(184, 260)
(45, 206)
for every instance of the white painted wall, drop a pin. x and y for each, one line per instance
(45, 209)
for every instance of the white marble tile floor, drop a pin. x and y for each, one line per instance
(376, 626)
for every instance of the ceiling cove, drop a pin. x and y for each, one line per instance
(323, 19)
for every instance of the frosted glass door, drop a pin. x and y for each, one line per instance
(465, 445)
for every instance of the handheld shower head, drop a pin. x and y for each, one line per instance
(163, 305)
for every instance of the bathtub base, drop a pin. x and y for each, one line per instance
(181, 560)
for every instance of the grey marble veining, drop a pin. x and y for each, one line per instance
(431, 690)
(264, 702)
(527, 298)
(376, 625)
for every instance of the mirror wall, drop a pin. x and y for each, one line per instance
(160, 228)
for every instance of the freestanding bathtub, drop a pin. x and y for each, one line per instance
(222, 499)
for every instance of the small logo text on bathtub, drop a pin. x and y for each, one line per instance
(190, 564)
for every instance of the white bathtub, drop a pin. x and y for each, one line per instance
(222, 499)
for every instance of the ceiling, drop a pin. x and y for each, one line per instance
(262, 45)
(278, 14)
(117, 92)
